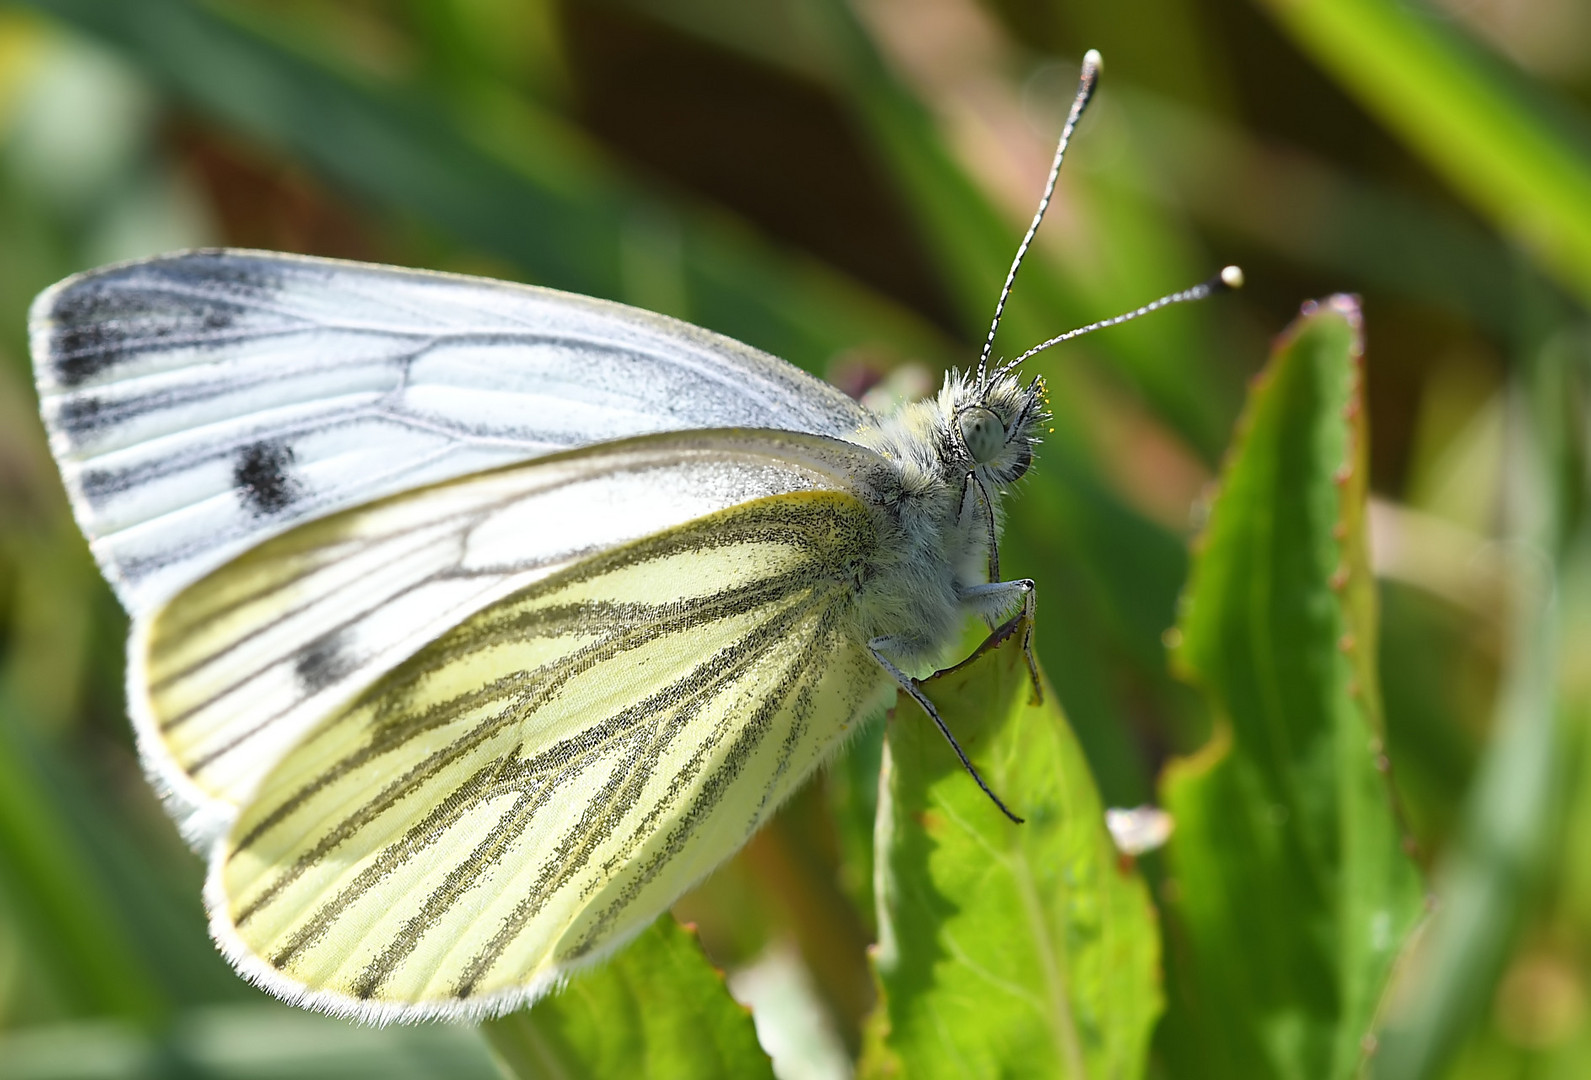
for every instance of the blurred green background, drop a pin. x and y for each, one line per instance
(842, 182)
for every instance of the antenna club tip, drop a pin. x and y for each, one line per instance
(1232, 277)
(1093, 64)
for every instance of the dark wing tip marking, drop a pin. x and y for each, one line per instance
(240, 272)
(99, 323)
(263, 477)
(100, 319)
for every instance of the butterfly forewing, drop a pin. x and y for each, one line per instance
(199, 403)
(534, 787)
(240, 665)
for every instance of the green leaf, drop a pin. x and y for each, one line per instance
(1521, 158)
(658, 1009)
(1005, 950)
(1290, 893)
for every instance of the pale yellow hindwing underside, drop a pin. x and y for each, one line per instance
(534, 787)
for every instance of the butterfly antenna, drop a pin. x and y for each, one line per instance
(1086, 82)
(1228, 279)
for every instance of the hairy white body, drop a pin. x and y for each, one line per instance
(941, 509)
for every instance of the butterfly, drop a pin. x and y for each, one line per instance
(472, 623)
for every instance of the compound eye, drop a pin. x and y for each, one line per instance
(982, 433)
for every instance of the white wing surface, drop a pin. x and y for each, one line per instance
(201, 402)
(529, 791)
(234, 670)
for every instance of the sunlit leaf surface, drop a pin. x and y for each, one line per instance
(1004, 949)
(1290, 893)
(657, 1009)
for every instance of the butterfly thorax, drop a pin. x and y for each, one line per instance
(951, 460)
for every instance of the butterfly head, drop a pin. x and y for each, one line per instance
(994, 421)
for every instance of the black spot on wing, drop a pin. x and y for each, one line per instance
(324, 661)
(263, 477)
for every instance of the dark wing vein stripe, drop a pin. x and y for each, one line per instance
(710, 792)
(750, 736)
(328, 600)
(432, 828)
(823, 641)
(543, 685)
(497, 776)
(641, 553)
(620, 627)
(467, 874)
(592, 739)
(130, 346)
(357, 544)
(184, 617)
(348, 548)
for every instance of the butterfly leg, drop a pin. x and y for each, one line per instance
(910, 685)
(994, 599)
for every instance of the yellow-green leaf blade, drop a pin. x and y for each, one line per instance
(657, 1009)
(1292, 893)
(1005, 950)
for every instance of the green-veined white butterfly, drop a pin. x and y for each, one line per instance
(475, 622)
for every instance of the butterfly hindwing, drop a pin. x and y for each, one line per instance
(237, 667)
(533, 788)
(202, 402)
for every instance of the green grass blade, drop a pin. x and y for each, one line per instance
(538, 197)
(76, 937)
(1521, 159)
(1005, 950)
(1293, 895)
(1344, 226)
(1518, 807)
(973, 243)
(657, 1009)
(970, 239)
(249, 1042)
(1485, 881)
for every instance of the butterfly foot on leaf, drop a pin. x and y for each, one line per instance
(998, 594)
(913, 687)
(1037, 697)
